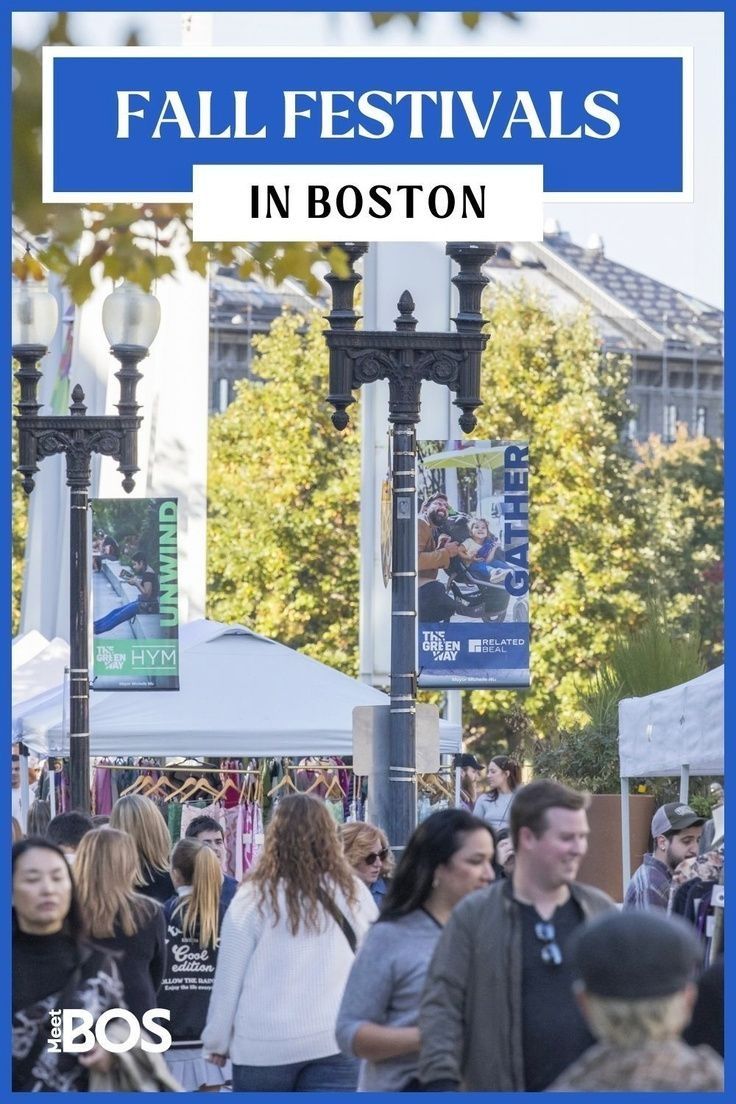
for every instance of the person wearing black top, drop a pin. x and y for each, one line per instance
(124, 922)
(140, 818)
(53, 967)
(193, 920)
(146, 582)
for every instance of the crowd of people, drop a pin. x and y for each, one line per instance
(476, 962)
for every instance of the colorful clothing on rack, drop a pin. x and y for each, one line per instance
(173, 819)
(194, 809)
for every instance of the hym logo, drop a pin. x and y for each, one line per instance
(75, 1031)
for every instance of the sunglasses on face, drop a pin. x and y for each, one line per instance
(369, 860)
(551, 953)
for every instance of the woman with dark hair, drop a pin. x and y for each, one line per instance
(132, 926)
(449, 855)
(53, 967)
(504, 778)
(288, 940)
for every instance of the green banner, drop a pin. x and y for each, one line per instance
(135, 594)
(135, 657)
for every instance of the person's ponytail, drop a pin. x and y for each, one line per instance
(199, 867)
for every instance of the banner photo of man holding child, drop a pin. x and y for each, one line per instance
(473, 564)
(135, 594)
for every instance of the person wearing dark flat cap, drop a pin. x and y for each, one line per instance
(676, 830)
(470, 770)
(635, 984)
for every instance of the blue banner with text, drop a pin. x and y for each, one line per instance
(136, 121)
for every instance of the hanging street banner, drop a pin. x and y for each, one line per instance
(473, 564)
(135, 594)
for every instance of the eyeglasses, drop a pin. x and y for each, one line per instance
(551, 953)
(374, 855)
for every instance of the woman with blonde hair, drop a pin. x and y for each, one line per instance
(288, 941)
(139, 817)
(367, 851)
(193, 918)
(106, 871)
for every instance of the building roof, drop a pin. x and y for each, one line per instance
(230, 295)
(631, 310)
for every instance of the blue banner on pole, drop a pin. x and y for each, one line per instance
(473, 564)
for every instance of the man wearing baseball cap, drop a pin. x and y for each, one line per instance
(676, 830)
(635, 984)
(470, 769)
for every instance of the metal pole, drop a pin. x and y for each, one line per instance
(625, 837)
(684, 782)
(79, 649)
(403, 714)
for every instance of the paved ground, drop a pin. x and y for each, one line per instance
(104, 599)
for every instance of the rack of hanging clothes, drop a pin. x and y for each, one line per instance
(435, 792)
(239, 795)
(54, 785)
(185, 789)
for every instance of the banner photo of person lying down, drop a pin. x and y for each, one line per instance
(135, 594)
(473, 564)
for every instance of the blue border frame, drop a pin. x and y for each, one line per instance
(5, 466)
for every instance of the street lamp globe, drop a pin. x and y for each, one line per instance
(35, 316)
(131, 316)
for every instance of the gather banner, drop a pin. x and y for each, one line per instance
(473, 564)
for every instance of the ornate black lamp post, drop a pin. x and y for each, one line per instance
(130, 319)
(405, 358)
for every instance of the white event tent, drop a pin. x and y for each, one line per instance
(38, 664)
(241, 695)
(674, 732)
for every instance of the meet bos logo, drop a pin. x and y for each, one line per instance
(75, 1031)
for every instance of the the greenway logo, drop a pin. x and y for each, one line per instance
(75, 1031)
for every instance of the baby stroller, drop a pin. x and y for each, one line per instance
(479, 597)
(486, 600)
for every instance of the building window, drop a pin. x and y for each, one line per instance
(701, 421)
(669, 422)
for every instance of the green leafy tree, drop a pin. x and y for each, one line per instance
(130, 239)
(656, 656)
(544, 380)
(679, 488)
(283, 503)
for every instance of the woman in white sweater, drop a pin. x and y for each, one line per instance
(287, 946)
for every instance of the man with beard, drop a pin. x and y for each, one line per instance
(435, 549)
(676, 831)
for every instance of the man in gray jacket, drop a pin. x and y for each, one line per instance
(498, 1012)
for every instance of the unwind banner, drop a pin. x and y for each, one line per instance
(473, 563)
(135, 594)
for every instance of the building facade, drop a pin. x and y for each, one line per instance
(674, 341)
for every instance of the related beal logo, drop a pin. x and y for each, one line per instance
(74, 1031)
